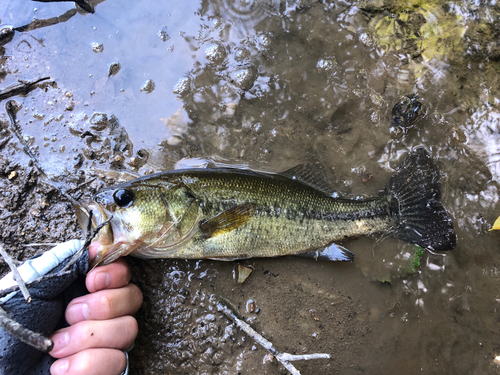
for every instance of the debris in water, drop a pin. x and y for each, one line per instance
(21, 88)
(81, 3)
(243, 273)
(149, 86)
(283, 358)
(496, 224)
(163, 34)
(366, 177)
(313, 314)
(406, 110)
(6, 34)
(99, 121)
(97, 47)
(250, 306)
(114, 68)
(12, 175)
(215, 52)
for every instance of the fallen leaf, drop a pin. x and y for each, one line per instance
(496, 225)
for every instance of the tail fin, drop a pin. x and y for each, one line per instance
(415, 191)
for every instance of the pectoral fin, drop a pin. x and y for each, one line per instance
(331, 253)
(227, 221)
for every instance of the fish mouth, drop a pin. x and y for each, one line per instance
(104, 236)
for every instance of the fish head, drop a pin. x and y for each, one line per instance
(137, 215)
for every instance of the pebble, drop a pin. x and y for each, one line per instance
(97, 47)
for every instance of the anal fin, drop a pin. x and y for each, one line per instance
(332, 253)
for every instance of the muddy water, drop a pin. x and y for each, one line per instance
(139, 87)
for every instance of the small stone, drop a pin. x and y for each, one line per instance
(244, 78)
(76, 129)
(6, 34)
(243, 273)
(313, 314)
(366, 39)
(182, 87)
(241, 54)
(326, 64)
(405, 112)
(149, 86)
(215, 53)
(163, 34)
(114, 68)
(12, 175)
(97, 47)
(250, 306)
(99, 121)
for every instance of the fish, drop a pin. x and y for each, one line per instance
(231, 214)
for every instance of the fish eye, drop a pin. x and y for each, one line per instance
(123, 197)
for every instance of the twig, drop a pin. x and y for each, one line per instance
(21, 88)
(82, 184)
(25, 335)
(40, 244)
(15, 273)
(15, 288)
(283, 358)
(82, 3)
(38, 24)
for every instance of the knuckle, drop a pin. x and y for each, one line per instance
(83, 362)
(106, 306)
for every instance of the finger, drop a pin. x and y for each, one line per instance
(93, 247)
(91, 362)
(118, 333)
(105, 304)
(114, 275)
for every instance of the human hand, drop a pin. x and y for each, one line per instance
(101, 324)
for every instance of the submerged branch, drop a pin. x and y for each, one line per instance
(283, 358)
(82, 3)
(21, 88)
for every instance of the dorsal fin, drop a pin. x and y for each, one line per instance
(308, 174)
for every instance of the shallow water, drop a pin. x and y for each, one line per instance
(270, 85)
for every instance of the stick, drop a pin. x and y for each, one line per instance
(283, 358)
(15, 272)
(82, 3)
(21, 88)
(15, 288)
(40, 244)
(34, 339)
(37, 24)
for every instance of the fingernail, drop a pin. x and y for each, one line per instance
(60, 340)
(59, 367)
(77, 312)
(102, 280)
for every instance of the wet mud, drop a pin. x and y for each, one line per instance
(268, 85)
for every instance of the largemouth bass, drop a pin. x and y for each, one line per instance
(229, 214)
